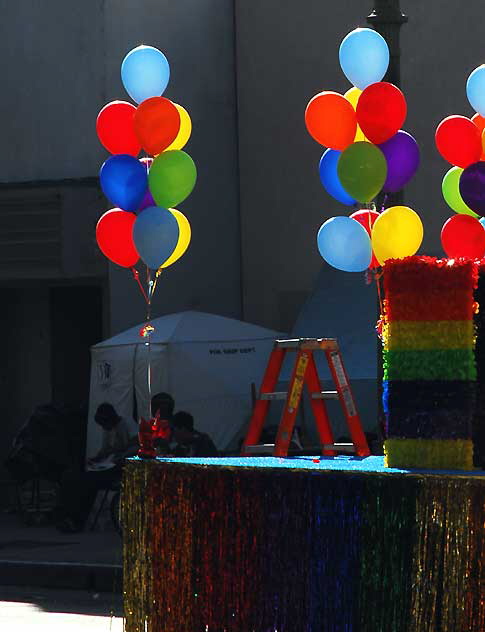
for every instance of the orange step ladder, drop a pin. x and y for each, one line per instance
(305, 373)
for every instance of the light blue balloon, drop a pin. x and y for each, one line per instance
(475, 89)
(364, 57)
(482, 221)
(145, 73)
(329, 177)
(156, 234)
(345, 244)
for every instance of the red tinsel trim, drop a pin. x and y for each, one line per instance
(419, 274)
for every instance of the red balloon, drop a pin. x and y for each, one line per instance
(459, 141)
(381, 111)
(114, 234)
(157, 123)
(115, 129)
(367, 219)
(463, 236)
(480, 123)
(331, 120)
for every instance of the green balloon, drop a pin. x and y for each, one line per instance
(362, 170)
(171, 177)
(451, 192)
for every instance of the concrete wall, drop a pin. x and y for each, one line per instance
(63, 64)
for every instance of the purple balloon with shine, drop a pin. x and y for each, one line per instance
(402, 157)
(472, 187)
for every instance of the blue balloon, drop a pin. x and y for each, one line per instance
(145, 73)
(329, 177)
(364, 57)
(482, 221)
(156, 234)
(124, 181)
(345, 244)
(475, 89)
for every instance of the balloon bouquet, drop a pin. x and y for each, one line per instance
(367, 153)
(144, 190)
(460, 141)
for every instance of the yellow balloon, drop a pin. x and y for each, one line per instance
(185, 235)
(352, 97)
(397, 233)
(185, 129)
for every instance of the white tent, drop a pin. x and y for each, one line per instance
(206, 362)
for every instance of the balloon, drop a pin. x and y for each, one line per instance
(331, 120)
(115, 130)
(185, 129)
(463, 236)
(458, 140)
(124, 181)
(185, 235)
(451, 192)
(472, 187)
(364, 57)
(402, 157)
(397, 233)
(362, 170)
(172, 177)
(329, 178)
(145, 73)
(352, 97)
(479, 121)
(155, 233)
(157, 123)
(148, 197)
(475, 89)
(381, 111)
(482, 221)
(344, 244)
(367, 219)
(114, 236)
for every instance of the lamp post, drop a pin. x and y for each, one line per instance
(387, 19)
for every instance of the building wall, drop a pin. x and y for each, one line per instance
(63, 64)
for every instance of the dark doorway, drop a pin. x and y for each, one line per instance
(76, 320)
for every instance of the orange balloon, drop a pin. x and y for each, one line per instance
(157, 123)
(480, 123)
(331, 120)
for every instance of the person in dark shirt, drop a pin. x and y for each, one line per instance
(190, 442)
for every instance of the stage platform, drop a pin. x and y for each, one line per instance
(302, 544)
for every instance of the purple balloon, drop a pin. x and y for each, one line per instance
(472, 187)
(402, 157)
(146, 202)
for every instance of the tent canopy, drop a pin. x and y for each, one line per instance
(191, 326)
(206, 362)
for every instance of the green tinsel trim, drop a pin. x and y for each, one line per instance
(434, 454)
(450, 364)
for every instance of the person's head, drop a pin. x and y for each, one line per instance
(163, 404)
(183, 426)
(106, 416)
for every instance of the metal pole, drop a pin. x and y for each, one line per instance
(387, 19)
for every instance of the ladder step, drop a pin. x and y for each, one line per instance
(262, 448)
(340, 447)
(325, 395)
(294, 343)
(271, 396)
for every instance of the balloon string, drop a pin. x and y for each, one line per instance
(378, 283)
(149, 366)
(136, 276)
(384, 201)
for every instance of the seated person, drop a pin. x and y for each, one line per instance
(190, 442)
(162, 405)
(79, 488)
